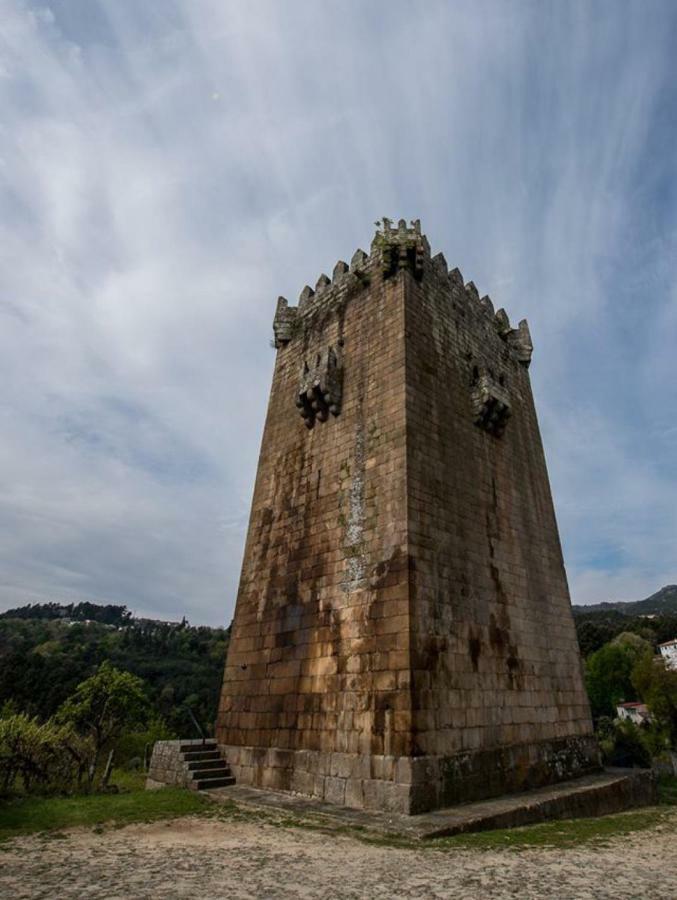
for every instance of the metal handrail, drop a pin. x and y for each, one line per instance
(197, 724)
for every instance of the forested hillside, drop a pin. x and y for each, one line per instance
(47, 650)
(598, 625)
(662, 603)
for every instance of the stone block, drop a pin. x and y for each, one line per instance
(404, 770)
(341, 765)
(383, 767)
(335, 790)
(318, 786)
(397, 798)
(302, 782)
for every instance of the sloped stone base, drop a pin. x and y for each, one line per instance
(443, 781)
(411, 785)
(611, 791)
(607, 792)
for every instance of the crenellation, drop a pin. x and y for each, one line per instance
(305, 297)
(521, 343)
(472, 293)
(487, 305)
(284, 324)
(393, 248)
(401, 248)
(440, 264)
(502, 323)
(456, 279)
(340, 269)
(358, 261)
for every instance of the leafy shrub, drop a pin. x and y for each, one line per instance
(623, 744)
(133, 744)
(657, 685)
(40, 756)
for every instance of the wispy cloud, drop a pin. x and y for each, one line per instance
(168, 169)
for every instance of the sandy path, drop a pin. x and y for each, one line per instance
(204, 859)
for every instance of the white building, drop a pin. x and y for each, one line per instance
(669, 653)
(637, 713)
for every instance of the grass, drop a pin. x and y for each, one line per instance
(27, 815)
(31, 814)
(558, 834)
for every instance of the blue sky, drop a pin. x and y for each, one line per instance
(168, 168)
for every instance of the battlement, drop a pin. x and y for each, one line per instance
(394, 249)
(400, 248)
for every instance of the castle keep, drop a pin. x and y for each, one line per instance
(403, 637)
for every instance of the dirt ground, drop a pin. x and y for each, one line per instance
(208, 859)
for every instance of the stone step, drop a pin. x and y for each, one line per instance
(204, 784)
(201, 755)
(222, 772)
(192, 746)
(196, 764)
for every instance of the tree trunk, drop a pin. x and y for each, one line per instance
(108, 770)
(92, 769)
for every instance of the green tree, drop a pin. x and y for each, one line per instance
(657, 686)
(608, 677)
(634, 644)
(103, 707)
(592, 635)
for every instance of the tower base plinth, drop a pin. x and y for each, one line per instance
(411, 785)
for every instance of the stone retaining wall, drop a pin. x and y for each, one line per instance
(167, 765)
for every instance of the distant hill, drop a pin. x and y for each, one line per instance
(662, 603)
(47, 649)
(73, 612)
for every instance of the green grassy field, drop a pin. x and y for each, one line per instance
(561, 834)
(26, 815)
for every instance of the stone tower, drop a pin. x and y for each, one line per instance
(403, 636)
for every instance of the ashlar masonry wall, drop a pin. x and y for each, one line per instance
(497, 692)
(316, 692)
(402, 637)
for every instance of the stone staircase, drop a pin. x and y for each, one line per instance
(205, 766)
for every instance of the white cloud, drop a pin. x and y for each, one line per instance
(147, 228)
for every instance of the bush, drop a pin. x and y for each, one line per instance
(40, 756)
(134, 744)
(657, 685)
(623, 744)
